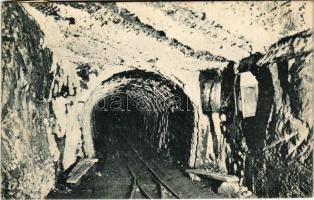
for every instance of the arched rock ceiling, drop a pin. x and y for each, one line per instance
(154, 91)
(107, 32)
(230, 29)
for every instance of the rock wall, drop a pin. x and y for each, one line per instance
(27, 169)
(217, 104)
(191, 46)
(279, 140)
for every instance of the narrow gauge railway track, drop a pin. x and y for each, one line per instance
(148, 182)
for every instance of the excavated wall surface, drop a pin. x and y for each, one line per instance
(55, 90)
(27, 169)
(279, 140)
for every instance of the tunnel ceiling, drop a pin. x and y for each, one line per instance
(154, 91)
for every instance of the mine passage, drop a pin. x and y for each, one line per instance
(166, 132)
(147, 108)
(142, 131)
(131, 168)
(139, 123)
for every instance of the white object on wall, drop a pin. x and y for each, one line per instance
(247, 101)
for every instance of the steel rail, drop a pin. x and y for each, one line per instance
(134, 182)
(166, 186)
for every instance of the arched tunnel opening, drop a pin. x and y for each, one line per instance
(142, 132)
(145, 109)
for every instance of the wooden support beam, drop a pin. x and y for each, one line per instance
(214, 175)
(80, 169)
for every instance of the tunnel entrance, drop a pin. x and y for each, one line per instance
(140, 125)
(148, 109)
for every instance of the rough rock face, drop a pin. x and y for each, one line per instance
(279, 140)
(232, 29)
(82, 60)
(100, 49)
(26, 166)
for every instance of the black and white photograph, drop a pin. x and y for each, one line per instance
(156, 99)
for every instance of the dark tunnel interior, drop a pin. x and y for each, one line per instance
(112, 124)
(134, 112)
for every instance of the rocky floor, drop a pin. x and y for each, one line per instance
(111, 176)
